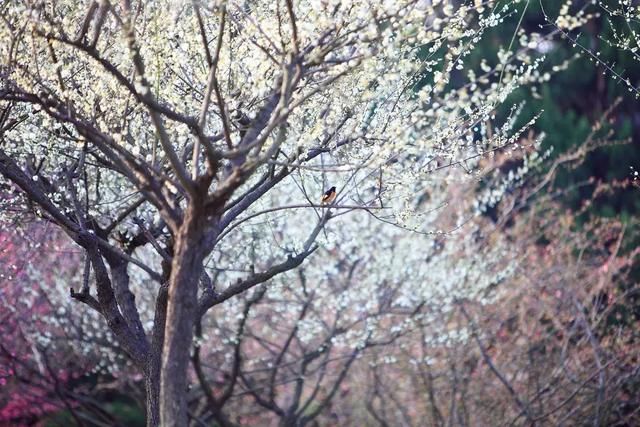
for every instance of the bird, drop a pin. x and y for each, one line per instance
(329, 196)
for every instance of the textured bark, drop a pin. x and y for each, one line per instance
(152, 388)
(152, 376)
(126, 299)
(192, 244)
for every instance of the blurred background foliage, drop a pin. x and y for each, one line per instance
(570, 103)
(573, 100)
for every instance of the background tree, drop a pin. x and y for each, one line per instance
(558, 344)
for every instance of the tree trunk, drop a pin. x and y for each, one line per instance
(152, 374)
(152, 388)
(192, 244)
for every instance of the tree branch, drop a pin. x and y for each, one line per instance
(208, 301)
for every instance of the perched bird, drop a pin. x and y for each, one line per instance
(329, 196)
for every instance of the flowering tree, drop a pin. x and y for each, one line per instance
(51, 354)
(183, 147)
(556, 345)
(26, 375)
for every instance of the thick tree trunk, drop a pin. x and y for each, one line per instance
(192, 244)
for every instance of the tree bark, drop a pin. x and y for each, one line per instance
(152, 374)
(192, 244)
(152, 388)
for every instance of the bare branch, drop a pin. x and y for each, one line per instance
(208, 301)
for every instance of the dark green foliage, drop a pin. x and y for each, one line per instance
(117, 412)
